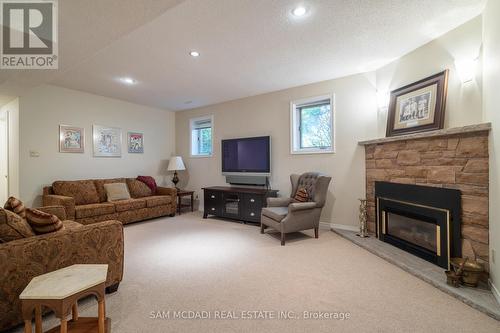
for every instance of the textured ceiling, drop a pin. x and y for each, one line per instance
(247, 47)
(85, 27)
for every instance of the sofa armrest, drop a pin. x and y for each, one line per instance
(278, 202)
(58, 200)
(301, 206)
(166, 191)
(58, 211)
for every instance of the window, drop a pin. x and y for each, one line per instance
(312, 125)
(201, 136)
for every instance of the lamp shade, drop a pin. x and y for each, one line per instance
(176, 163)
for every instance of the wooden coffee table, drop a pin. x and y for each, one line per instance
(60, 290)
(184, 193)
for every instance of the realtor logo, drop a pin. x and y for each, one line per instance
(29, 34)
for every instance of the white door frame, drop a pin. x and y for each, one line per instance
(7, 130)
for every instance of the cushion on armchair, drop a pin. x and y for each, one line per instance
(43, 223)
(275, 213)
(13, 227)
(15, 205)
(301, 195)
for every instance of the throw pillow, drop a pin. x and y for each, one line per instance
(301, 195)
(116, 191)
(149, 181)
(13, 226)
(43, 223)
(15, 205)
(138, 189)
(99, 185)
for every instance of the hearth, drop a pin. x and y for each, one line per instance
(422, 220)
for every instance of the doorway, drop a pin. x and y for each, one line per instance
(4, 155)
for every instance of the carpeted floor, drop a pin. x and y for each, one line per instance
(220, 267)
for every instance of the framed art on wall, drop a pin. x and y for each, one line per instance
(107, 141)
(71, 139)
(135, 142)
(419, 106)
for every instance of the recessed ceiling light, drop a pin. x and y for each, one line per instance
(194, 54)
(128, 80)
(299, 11)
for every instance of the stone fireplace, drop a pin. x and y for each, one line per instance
(450, 159)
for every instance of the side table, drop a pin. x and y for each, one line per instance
(60, 290)
(184, 193)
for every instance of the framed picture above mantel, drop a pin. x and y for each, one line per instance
(418, 107)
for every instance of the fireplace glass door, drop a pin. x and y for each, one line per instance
(418, 232)
(421, 220)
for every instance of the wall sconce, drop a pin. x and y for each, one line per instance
(466, 69)
(383, 97)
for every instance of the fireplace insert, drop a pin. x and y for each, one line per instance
(422, 220)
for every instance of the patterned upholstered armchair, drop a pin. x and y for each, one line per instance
(285, 215)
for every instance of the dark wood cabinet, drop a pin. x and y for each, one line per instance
(239, 203)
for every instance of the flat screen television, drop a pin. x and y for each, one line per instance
(247, 156)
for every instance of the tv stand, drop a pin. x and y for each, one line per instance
(238, 203)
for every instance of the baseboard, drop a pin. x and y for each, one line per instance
(325, 225)
(494, 290)
(344, 227)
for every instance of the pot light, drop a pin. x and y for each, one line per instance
(128, 80)
(299, 11)
(194, 54)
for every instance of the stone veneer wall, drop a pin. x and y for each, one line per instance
(458, 161)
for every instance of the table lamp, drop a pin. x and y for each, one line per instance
(175, 164)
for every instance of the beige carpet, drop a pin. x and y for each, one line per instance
(190, 264)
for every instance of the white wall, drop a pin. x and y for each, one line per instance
(357, 118)
(12, 108)
(45, 107)
(491, 103)
(4, 156)
(464, 101)
(269, 114)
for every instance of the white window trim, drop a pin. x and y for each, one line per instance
(294, 126)
(191, 122)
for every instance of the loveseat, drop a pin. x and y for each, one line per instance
(86, 202)
(23, 259)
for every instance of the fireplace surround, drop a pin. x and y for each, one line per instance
(452, 158)
(422, 220)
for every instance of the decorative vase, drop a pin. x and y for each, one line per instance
(363, 227)
(471, 270)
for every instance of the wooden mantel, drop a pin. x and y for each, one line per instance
(422, 135)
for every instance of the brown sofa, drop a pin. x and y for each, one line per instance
(85, 201)
(23, 259)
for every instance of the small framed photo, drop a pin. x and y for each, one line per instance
(418, 107)
(107, 141)
(135, 142)
(71, 139)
